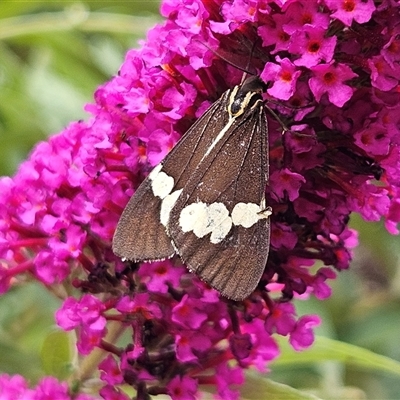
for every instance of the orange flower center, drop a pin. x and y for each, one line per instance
(313, 47)
(349, 5)
(329, 78)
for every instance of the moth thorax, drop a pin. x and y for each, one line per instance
(241, 101)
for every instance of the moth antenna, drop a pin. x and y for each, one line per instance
(275, 115)
(248, 63)
(290, 106)
(285, 128)
(219, 55)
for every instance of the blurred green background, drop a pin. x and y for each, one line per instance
(53, 55)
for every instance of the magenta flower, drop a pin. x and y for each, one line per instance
(15, 387)
(302, 336)
(86, 315)
(349, 10)
(335, 88)
(330, 79)
(111, 372)
(283, 77)
(182, 388)
(273, 32)
(312, 47)
(384, 74)
(303, 14)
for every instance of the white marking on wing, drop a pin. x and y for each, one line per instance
(154, 172)
(221, 231)
(247, 214)
(217, 215)
(219, 136)
(167, 205)
(161, 184)
(203, 219)
(193, 217)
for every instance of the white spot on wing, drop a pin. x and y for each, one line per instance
(154, 172)
(247, 214)
(220, 232)
(167, 205)
(193, 217)
(217, 215)
(161, 184)
(203, 219)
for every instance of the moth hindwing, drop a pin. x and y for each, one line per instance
(206, 200)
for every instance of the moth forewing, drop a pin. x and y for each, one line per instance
(140, 233)
(206, 200)
(218, 223)
(185, 157)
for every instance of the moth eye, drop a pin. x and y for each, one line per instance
(236, 107)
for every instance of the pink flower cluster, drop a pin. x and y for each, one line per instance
(332, 69)
(16, 388)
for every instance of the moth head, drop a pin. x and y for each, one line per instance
(245, 95)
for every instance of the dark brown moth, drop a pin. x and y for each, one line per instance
(206, 200)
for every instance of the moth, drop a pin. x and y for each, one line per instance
(206, 200)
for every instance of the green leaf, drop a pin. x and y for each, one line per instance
(257, 388)
(325, 349)
(53, 55)
(56, 354)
